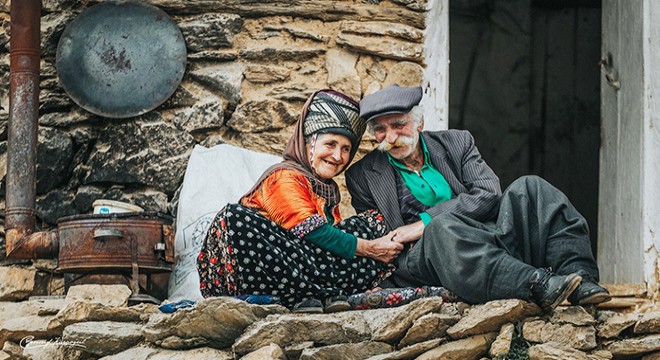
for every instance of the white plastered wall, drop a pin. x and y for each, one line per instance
(436, 56)
(629, 198)
(651, 147)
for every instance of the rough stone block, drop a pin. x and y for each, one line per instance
(342, 75)
(613, 326)
(205, 115)
(412, 351)
(375, 28)
(575, 315)
(210, 31)
(652, 356)
(224, 78)
(261, 74)
(502, 343)
(110, 295)
(405, 73)
(294, 351)
(16, 283)
(390, 325)
(285, 330)
(215, 321)
(261, 115)
(469, 348)
(85, 312)
(634, 346)
(143, 352)
(577, 337)
(55, 350)
(626, 290)
(147, 151)
(532, 330)
(491, 316)
(429, 326)
(385, 47)
(648, 323)
(600, 355)
(555, 351)
(105, 337)
(351, 351)
(12, 349)
(269, 352)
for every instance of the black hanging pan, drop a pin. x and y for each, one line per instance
(121, 59)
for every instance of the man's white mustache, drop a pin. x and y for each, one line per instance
(400, 141)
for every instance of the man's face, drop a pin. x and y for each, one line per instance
(397, 134)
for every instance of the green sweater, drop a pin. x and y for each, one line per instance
(332, 239)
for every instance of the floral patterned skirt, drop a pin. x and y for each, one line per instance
(245, 253)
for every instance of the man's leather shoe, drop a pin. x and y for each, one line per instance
(549, 289)
(336, 303)
(309, 306)
(589, 292)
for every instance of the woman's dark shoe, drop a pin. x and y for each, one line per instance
(549, 289)
(337, 303)
(589, 292)
(308, 306)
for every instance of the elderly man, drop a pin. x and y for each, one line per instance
(460, 231)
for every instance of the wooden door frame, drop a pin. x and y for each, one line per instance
(629, 200)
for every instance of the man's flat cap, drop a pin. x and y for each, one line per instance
(391, 100)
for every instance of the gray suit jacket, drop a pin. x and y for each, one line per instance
(475, 187)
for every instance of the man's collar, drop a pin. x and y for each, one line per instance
(396, 163)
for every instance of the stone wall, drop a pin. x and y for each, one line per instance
(250, 67)
(96, 322)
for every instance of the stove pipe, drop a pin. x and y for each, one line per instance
(20, 198)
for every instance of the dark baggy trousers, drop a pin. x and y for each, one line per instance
(536, 227)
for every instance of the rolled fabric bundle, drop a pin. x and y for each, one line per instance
(393, 297)
(259, 299)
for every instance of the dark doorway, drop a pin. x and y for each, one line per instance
(525, 80)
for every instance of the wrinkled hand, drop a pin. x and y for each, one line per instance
(408, 233)
(381, 249)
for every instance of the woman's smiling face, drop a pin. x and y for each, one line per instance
(330, 154)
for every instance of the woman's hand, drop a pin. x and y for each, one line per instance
(382, 249)
(408, 233)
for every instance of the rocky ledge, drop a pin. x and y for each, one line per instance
(95, 322)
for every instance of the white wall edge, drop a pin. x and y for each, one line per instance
(436, 74)
(651, 148)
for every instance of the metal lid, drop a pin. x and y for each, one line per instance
(119, 206)
(121, 59)
(143, 215)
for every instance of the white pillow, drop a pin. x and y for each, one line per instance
(214, 178)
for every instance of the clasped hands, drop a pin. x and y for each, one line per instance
(388, 247)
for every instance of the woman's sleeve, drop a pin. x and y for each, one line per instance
(286, 199)
(334, 240)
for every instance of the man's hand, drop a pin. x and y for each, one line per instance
(382, 249)
(410, 232)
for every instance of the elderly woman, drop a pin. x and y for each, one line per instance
(286, 237)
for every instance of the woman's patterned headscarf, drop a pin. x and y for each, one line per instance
(326, 111)
(332, 112)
